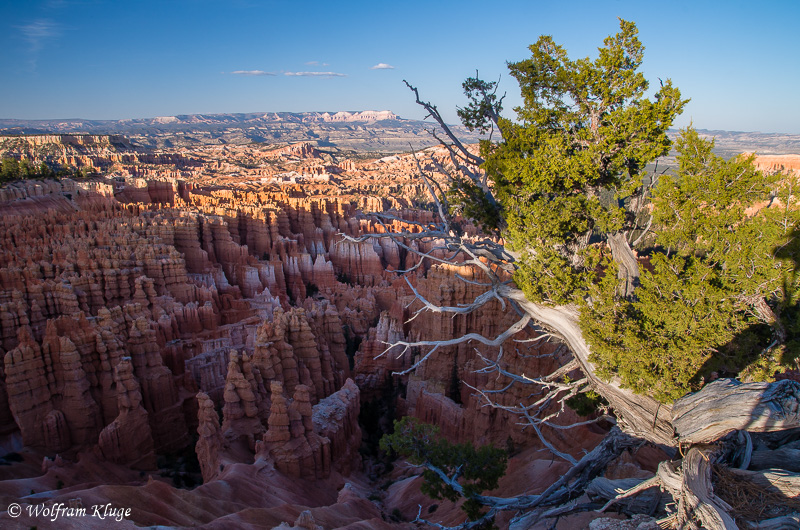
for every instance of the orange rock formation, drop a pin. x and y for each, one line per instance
(134, 310)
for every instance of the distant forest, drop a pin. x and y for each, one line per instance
(13, 169)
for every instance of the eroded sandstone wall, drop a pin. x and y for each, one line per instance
(172, 289)
(240, 298)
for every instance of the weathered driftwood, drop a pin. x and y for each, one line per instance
(626, 259)
(634, 494)
(669, 474)
(689, 483)
(697, 499)
(605, 488)
(726, 405)
(744, 450)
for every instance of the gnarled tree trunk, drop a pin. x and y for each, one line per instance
(720, 408)
(726, 405)
(639, 415)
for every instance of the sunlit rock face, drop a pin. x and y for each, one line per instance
(197, 305)
(778, 163)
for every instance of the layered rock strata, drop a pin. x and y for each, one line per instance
(134, 312)
(179, 282)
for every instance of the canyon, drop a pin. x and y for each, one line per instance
(191, 320)
(190, 335)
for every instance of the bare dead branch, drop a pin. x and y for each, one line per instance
(463, 526)
(433, 112)
(533, 423)
(480, 301)
(436, 344)
(653, 481)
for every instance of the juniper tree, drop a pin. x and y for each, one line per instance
(566, 192)
(720, 292)
(569, 191)
(451, 470)
(573, 162)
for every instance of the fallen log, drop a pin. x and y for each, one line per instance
(697, 499)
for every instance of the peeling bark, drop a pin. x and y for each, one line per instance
(726, 405)
(697, 499)
(624, 257)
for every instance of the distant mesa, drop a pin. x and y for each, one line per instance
(257, 118)
(366, 130)
(778, 163)
(327, 117)
(376, 131)
(165, 119)
(367, 115)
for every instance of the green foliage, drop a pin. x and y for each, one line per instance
(477, 469)
(311, 290)
(586, 128)
(725, 291)
(659, 342)
(586, 403)
(483, 104)
(12, 169)
(469, 200)
(548, 276)
(718, 289)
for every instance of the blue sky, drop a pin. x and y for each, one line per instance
(738, 61)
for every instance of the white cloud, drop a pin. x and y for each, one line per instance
(251, 72)
(382, 66)
(315, 74)
(315, 63)
(38, 31)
